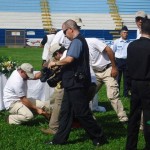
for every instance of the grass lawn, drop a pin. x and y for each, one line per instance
(29, 136)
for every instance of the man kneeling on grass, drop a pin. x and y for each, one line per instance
(19, 106)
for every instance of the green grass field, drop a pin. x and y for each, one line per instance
(29, 136)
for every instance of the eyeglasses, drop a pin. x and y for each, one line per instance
(65, 31)
(139, 18)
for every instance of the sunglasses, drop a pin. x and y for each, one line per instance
(139, 18)
(65, 31)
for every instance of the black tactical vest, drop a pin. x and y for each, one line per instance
(79, 68)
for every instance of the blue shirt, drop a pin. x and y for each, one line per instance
(75, 49)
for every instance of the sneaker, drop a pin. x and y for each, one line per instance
(123, 119)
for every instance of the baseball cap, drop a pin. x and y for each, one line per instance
(124, 28)
(52, 30)
(78, 21)
(140, 14)
(55, 47)
(28, 68)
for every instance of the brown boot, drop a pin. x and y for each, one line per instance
(48, 131)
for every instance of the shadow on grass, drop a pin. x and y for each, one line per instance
(108, 106)
(113, 129)
(36, 121)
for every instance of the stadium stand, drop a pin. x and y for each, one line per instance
(128, 8)
(95, 14)
(18, 14)
(101, 17)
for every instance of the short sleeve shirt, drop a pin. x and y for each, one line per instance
(75, 49)
(15, 88)
(120, 48)
(98, 57)
(47, 45)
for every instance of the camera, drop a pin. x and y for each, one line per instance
(52, 77)
(46, 74)
(52, 81)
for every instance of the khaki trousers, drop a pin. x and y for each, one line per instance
(54, 120)
(112, 91)
(19, 113)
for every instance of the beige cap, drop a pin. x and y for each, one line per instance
(28, 68)
(55, 47)
(140, 14)
(53, 31)
(78, 21)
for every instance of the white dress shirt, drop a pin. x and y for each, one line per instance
(120, 48)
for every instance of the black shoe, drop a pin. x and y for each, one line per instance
(124, 122)
(99, 142)
(53, 143)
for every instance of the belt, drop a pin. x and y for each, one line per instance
(107, 66)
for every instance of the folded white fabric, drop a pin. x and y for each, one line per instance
(94, 105)
(99, 109)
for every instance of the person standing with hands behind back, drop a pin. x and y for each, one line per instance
(120, 49)
(138, 58)
(75, 101)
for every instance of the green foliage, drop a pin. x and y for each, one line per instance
(29, 136)
(7, 65)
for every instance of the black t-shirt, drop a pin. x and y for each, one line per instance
(138, 59)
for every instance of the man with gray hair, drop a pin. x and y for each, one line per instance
(76, 79)
(61, 38)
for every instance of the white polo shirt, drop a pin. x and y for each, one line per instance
(15, 88)
(98, 57)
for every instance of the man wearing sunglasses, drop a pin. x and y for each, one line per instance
(140, 16)
(76, 78)
(60, 36)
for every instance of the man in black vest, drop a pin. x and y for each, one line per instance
(76, 79)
